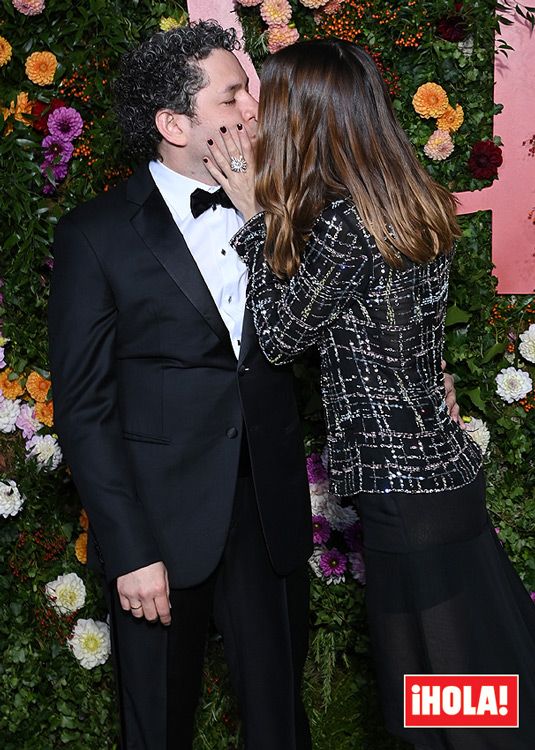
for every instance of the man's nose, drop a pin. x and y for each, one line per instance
(249, 107)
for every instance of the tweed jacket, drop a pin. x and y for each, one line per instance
(380, 334)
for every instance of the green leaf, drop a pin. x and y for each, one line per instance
(455, 315)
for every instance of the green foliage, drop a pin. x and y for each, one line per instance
(47, 699)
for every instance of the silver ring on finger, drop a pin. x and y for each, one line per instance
(238, 163)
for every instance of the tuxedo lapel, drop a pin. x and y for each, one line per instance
(156, 227)
(248, 336)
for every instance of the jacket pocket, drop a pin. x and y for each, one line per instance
(142, 438)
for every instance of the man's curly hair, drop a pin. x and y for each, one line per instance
(164, 73)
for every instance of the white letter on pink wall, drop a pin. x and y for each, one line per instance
(512, 196)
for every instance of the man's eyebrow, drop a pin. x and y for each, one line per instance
(235, 86)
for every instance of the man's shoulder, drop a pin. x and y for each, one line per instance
(105, 208)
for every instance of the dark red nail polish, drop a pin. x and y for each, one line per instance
(239, 126)
(223, 129)
(210, 142)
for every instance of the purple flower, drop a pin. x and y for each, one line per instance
(333, 563)
(321, 529)
(532, 596)
(57, 151)
(353, 537)
(358, 570)
(26, 421)
(59, 171)
(65, 123)
(315, 469)
(2, 360)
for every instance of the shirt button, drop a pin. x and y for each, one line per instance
(229, 299)
(232, 432)
(223, 252)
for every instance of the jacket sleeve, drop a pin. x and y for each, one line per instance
(82, 323)
(292, 316)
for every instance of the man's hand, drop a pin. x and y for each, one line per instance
(451, 402)
(145, 593)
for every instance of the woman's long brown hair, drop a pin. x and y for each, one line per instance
(327, 129)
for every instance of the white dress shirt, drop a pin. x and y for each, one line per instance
(207, 238)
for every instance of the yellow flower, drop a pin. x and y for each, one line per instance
(37, 386)
(168, 22)
(44, 412)
(452, 119)
(430, 100)
(84, 520)
(5, 51)
(41, 67)
(80, 548)
(10, 388)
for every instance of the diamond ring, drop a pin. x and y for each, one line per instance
(238, 163)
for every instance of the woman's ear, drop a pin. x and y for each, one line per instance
(173, 127)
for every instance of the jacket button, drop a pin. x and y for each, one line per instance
(242, 370)
(232, 432)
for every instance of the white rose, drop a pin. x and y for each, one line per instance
(314, 561)
(339, 517)
(46, 451)
(66, 593)
(319, 496)
(527, 345)
(11, 500)
(90, 643)
(513, 384)
(9, 412)
(479, 432)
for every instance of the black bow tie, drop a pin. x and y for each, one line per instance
(201, 200)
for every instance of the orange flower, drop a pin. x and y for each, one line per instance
(45, 412)
(19, 110)
(430, 100)
(84, 520)
(452, 119)
(10, 388)
(5, 51)
(37, 386)
(80, 548)
(41, 68)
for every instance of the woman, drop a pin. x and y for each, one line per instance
(352, 254)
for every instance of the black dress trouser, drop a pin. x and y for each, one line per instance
(263, 618)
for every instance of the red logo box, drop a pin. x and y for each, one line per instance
(461, 700)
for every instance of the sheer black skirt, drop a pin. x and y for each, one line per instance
(443, 597)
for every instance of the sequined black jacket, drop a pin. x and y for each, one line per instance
(380, 334)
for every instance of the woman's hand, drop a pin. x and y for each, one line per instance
(231, 164)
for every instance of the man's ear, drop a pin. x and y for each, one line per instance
(173, 128)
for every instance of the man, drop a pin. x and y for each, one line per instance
(183, 441)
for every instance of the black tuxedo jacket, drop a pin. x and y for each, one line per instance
(150, 402)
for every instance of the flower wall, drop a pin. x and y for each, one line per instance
(59, 146)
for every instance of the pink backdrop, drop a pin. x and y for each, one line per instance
(512, 196)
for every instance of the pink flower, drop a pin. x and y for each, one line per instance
(439, 146)
(333, 563)
(248, 3)
(27, 422)
(29, 7)
(315, 469)
(313, 3)
(57, 150)
(280, 37)
(357, 567)
(2, 360)
(321, 529)
(276, 12)
(66, 123)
